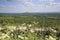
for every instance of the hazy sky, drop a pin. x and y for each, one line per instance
(17, 6)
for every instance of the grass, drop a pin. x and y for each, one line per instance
(20, 27)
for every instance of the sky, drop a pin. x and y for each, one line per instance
(19, 6)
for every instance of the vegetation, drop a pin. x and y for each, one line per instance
(30, 27)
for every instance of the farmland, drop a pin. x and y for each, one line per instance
(30, 26)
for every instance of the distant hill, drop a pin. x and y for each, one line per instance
(29, 14)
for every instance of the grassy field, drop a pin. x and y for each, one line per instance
(30, 26)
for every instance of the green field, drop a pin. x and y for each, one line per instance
(30, 26)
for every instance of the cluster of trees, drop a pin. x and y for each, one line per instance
(39, 21)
